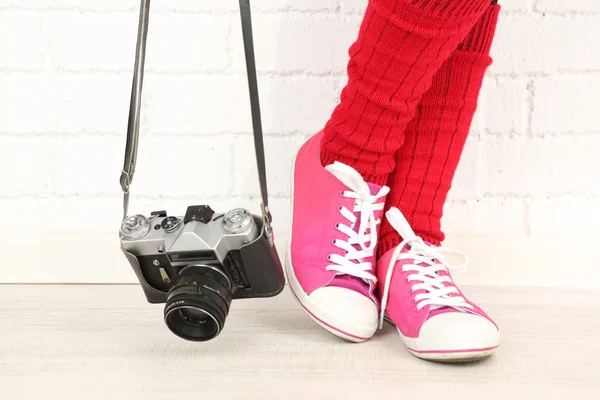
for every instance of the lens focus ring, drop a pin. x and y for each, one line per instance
(197, 305)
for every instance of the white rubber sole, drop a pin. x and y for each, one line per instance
(330, 323)
(413, 346)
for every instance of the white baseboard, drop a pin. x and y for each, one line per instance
(498, 260)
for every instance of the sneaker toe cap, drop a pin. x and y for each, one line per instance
(345, 310)
(457, 331)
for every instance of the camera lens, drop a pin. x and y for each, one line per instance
(194, 317)
(198, 303)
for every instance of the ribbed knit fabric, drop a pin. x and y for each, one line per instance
(479, 39)
(400, 46)
(435, 138)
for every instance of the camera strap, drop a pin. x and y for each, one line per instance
(133, 126)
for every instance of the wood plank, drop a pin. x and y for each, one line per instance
(106, 342)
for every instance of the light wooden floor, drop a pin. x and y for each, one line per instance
(105, 342)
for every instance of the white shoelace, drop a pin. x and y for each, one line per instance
(426, 261)
(365, 205)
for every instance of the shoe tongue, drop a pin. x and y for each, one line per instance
(349, 177)
(354, 181)
(373, 188)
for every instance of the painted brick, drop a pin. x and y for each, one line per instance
(209, 104)
(66, 87)
(565, 215)
(299, 104)
(359, 6)
(26, 165)
(28, 103)
(566, 104)
(188, 42)
(257, 6)
(28, 212)
(198, 167)
(172, 167)
(298, 44)
(176, 41)
(501, 216)
(567, 5)
(104, 5)
(459, 218)
(279, 153)
(22, 41)
(354, 6)
(484, 216)
(549, 44)
(502, 106)
(174, 5)
(541, 166)
(81, 214)
(64, 102)
(90, 103)
(88, 165)
(73, 40)
(294, 5)
(516, 5)
(192, 104)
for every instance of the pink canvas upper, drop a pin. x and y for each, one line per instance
(317, 197)
(401, 306)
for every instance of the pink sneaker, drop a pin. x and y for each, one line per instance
(434, 318)
(330, 261)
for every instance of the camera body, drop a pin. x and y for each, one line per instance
(198, 263)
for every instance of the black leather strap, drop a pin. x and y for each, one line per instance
(255, 104)
(133, 125)
(135, 105)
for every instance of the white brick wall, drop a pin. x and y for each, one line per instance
(529, 168)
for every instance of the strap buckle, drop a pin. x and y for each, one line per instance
(267, 219)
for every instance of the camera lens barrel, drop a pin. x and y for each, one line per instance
(198, 303)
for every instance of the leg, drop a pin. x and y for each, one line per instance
(400, 46)
(434, 318)
(435, 138)
(337, 207)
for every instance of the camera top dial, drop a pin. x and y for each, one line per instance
(134, 227)
(170, 224)
(237, 220)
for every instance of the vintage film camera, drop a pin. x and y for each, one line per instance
(197, 263)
